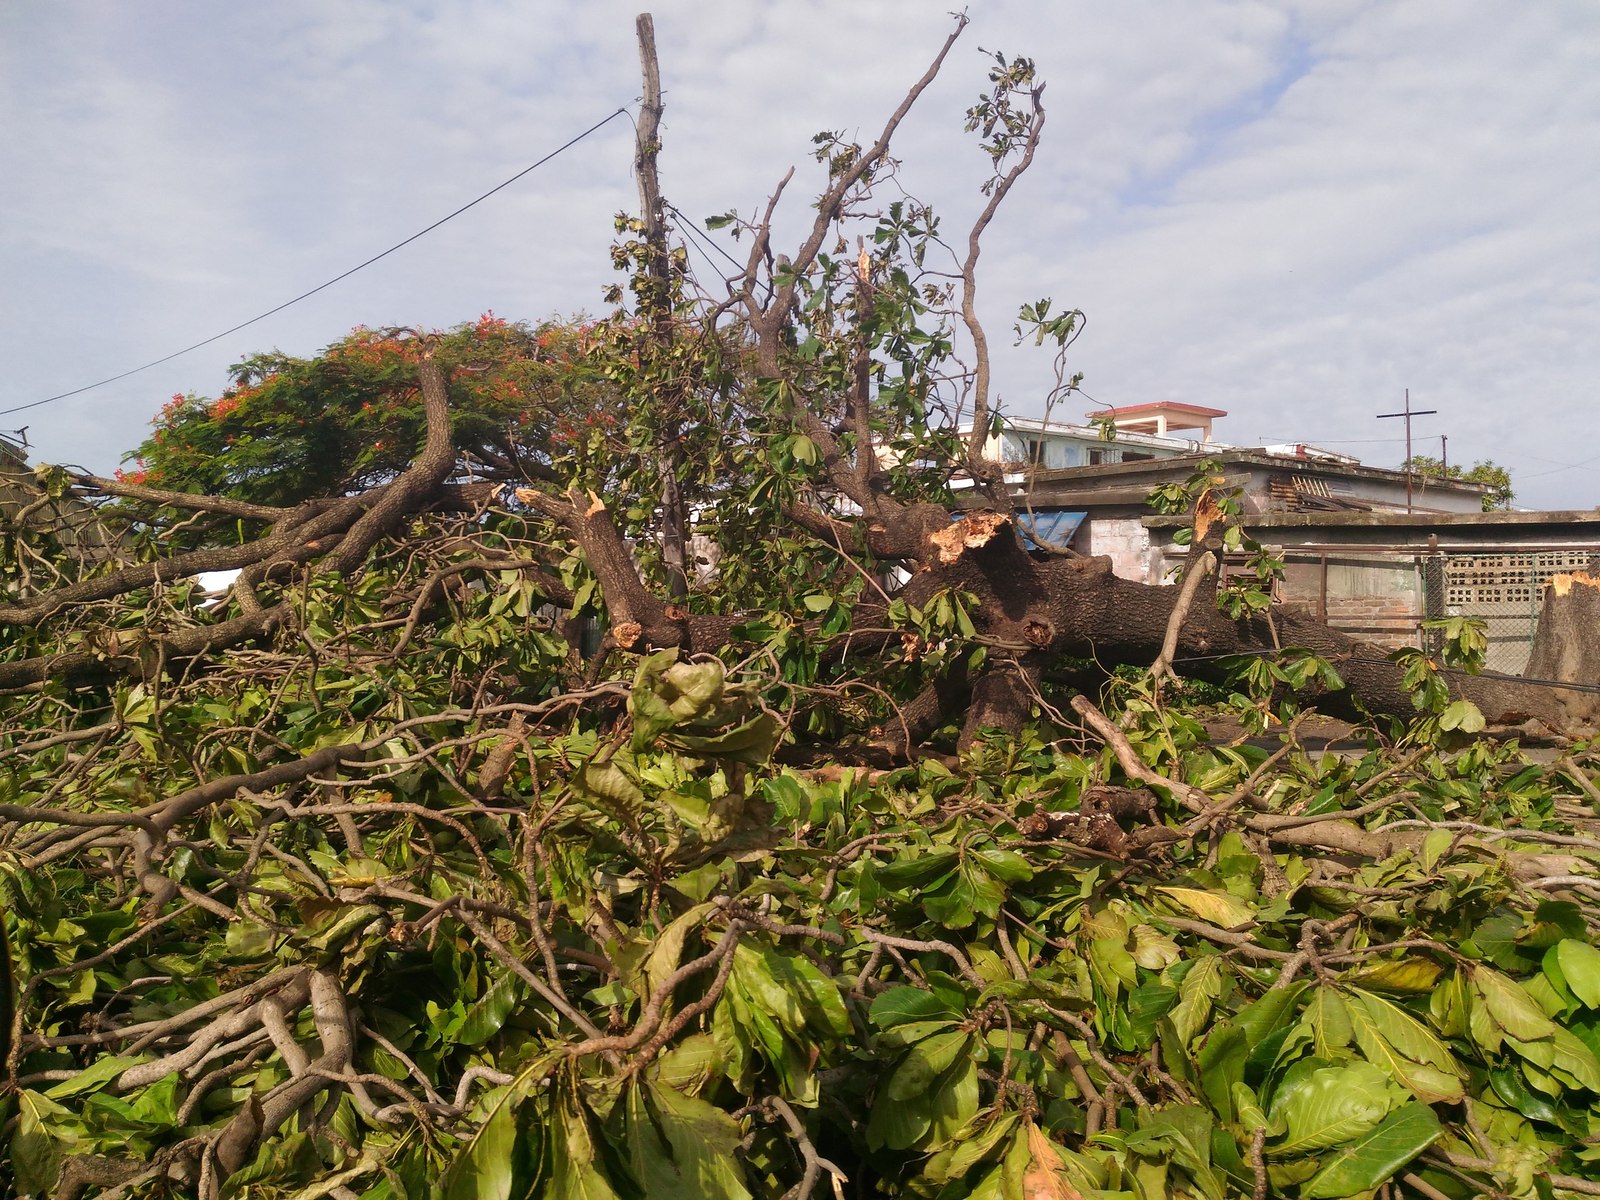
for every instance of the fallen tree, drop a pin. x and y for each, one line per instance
(377, 877)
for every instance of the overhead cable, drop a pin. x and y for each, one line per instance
(88, 387)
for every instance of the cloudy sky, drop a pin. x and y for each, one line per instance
(1292, 210)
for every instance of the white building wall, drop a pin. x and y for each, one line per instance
(1126, 542)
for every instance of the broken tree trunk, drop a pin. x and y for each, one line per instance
(1030, 609)
(1566, 646)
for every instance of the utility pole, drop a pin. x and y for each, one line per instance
(1408, 414)
(1444, 455)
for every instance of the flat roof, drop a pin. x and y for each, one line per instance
(1157, 406)
(1228, 456)
(1395, 520)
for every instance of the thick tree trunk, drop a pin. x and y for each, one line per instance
(1078, 607)
(1566, 646)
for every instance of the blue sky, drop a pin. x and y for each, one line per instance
(1291, 211)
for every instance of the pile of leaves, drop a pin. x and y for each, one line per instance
(397, 907)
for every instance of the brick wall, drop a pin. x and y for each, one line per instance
(1372, 598)
(1387, 620)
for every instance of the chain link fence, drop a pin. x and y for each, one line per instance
(1504, 590)
(1383, 594)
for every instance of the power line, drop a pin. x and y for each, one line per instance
(89, 387)
(689, 226)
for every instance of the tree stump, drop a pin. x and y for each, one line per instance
(1566, 645)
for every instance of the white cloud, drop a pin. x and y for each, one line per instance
(1288, 210)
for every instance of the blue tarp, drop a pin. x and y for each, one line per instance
(1056, 528)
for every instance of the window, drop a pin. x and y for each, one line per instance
(1023, 450)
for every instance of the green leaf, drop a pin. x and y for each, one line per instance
(39, 1142)
(1580, 967)
(667, 949)
(899, 1005)
(1374, 1158)
(1463, 715)
(1201, 986)
(921, 869)
(1249, 1113)
(925, 1062)
(680, 1147)
(1435, 845)
(1512, 1009)
(489, 1011)
(157, 1104)
(1508, 1085)
(1005, 865)
(93, 1077)
(1260, 1018)
(484, 1170)
(1572, 1057)
(1393, 1039)
(898, 1126)
(577, 1174)
(1221, 1061)
(1328, 1106)
(792, 991)
(1326, 1023)
(960, 1157)
(955, 1101)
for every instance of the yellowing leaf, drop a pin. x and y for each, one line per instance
(1153, 949)
(1220, 908)
(1044, 1180)
(1399, 975)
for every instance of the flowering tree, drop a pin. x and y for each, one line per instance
(289, 429)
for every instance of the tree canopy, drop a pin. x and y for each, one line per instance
(480, 841)
(290, 429)
(1494, 477)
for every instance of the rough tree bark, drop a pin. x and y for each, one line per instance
(1566, 646)
(655, 298)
